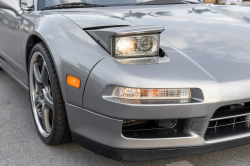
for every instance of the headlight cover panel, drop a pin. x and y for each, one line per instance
(135, 46)
(105, 37)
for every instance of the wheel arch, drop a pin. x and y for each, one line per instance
(72, 50)
(32, 40)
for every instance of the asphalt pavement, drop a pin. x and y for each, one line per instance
(20, 144)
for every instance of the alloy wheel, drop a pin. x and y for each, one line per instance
(41, 94)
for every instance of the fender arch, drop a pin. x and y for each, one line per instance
(73, 51)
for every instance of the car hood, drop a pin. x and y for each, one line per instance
(215, 40)
(187, 27)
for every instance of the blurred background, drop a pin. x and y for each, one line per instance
(229, 2)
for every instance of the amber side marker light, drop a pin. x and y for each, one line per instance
(73, 81)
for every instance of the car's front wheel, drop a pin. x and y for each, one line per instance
(47, 104)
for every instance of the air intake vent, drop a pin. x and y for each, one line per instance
(229, 120)
(142, 129)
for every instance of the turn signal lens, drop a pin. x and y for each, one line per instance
(134, 93)
(73, 81)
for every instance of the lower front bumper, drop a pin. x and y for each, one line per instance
(103, 135)
(108, 131)
(153, 154)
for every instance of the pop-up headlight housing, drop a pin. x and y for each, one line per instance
(129, 41)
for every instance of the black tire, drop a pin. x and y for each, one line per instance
(60, 132)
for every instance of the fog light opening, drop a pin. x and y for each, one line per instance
(149, 124)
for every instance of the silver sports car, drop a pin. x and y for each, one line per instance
(132, 79)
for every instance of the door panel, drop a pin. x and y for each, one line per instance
(11, 51)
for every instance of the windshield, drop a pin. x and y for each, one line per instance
(47, 3)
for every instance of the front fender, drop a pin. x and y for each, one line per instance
(73, 51)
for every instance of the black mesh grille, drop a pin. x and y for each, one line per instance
(229, 120)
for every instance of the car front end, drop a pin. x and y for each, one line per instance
(157, 81)
(214, 117)
(172, 104)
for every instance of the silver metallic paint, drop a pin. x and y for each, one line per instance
(92, 19)
(12, 5)
(107, 131)
(11, 36)
(74, 51)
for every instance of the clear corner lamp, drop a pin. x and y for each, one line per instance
(136, 93)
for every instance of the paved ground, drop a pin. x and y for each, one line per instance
(20, 144)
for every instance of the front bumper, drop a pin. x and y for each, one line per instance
(153, 154)
(103, 135)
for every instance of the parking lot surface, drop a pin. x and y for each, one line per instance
(21, 146)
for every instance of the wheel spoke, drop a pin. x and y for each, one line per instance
(38, 106)
(37, 100)
(37, 74)
(44, 75)
(49, 101)
(45, 118)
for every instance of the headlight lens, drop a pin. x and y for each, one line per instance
(126, 45)
(135, 93)
(136, 46)
(148, 45)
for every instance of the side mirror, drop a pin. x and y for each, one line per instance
(13, 5)
(29, 6)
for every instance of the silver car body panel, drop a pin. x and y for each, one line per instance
(218, 84)
(107, 131)
(186, 29)
(102, 129)
(58, 38)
